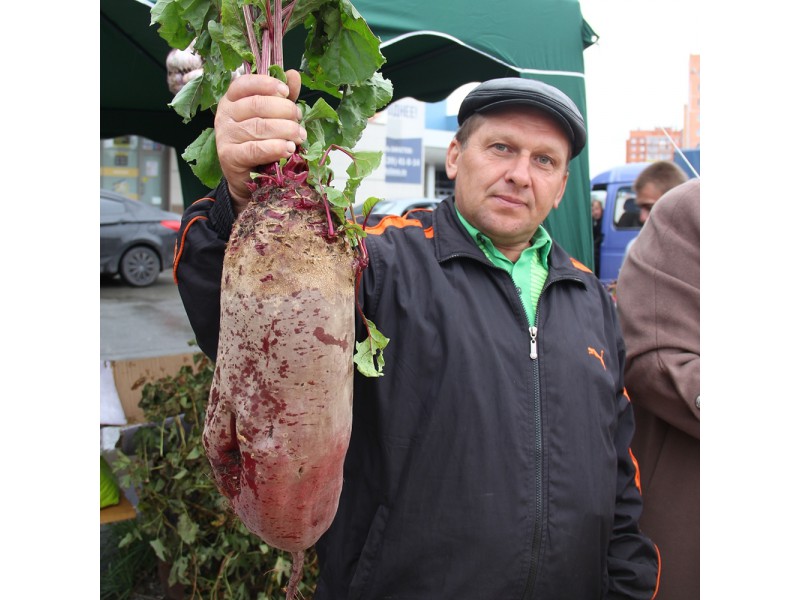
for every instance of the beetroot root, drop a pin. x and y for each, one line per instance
(280, 409)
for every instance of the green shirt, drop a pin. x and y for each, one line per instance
(528, 273)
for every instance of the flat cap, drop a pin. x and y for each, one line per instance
(515, 91)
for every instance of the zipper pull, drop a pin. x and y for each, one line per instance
(534, 354)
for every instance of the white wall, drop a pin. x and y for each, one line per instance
(175, 193)
(402, 120)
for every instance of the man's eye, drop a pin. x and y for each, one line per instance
(544, 160)
(501, 147)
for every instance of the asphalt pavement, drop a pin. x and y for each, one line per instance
(143, 322)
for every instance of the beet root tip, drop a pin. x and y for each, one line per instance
(298, 558)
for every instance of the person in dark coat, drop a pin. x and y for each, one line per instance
(658, 299)
(597, 233)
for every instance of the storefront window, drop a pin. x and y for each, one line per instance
(135, 167)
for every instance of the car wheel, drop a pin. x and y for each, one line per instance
(140, 266)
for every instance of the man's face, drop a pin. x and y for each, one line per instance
(645, 200)
(597, 211)
(509, 174)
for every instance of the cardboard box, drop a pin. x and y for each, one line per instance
(130, 375)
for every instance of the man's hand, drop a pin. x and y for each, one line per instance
(257, 123)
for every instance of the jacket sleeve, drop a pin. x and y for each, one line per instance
(659, 306)
(197, 268)
(634, 564)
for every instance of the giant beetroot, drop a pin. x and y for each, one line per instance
(279, 415)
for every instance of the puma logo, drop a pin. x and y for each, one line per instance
(593, 352)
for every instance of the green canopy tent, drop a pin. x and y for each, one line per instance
(431, 48)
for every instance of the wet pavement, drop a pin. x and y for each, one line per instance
(143, 322)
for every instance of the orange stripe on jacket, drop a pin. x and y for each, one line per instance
(395, 221)
(638, 477)
(179, 251)
(580, 266)
(658, 575)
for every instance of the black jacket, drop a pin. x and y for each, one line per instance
(474, 471)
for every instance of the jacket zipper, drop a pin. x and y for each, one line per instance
(538, 443)
(538, 446)
(534, 352)
(538, 526)
(537, 416)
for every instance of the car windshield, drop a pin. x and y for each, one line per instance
(399, 206)
(389, 207)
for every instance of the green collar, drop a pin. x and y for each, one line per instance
(540, 244)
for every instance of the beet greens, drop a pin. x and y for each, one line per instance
(341, 61)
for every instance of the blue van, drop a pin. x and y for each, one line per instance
(620, 220)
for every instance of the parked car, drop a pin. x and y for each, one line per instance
(396, 206)
(137, 241)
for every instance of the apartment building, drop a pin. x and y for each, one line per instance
(650, 145)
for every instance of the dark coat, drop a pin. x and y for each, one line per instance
(474, 471)
(658, 297)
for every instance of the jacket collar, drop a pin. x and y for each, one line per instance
(452, 240)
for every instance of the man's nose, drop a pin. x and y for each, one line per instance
(519, 170)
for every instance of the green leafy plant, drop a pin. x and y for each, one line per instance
(122, 571)
(340, 62)
(181, 515)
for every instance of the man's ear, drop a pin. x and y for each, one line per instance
(563, 189)
(451, 159)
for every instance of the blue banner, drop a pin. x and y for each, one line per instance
(403, 160)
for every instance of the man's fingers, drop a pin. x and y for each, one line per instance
(240, 159)
(267, 129)
(293, 81)
(265, 85)
(267, 151)
(257, 123)
(250, 107)
(260, 85)
(230, 131)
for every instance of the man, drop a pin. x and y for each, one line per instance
(653, 182)
(658, 297)
(491, 461)
(597, 233)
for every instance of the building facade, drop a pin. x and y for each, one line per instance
(691, 117)
(650, 145)
(141, 169)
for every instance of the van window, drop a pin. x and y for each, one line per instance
(626, 212)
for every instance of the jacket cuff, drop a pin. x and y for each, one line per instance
(221, 215)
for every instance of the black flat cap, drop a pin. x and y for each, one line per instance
(515, 91)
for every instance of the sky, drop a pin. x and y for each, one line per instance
(637, 74)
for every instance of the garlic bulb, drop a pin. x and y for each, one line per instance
(185, 65)
(182, 67)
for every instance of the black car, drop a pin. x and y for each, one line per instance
(137, 241)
